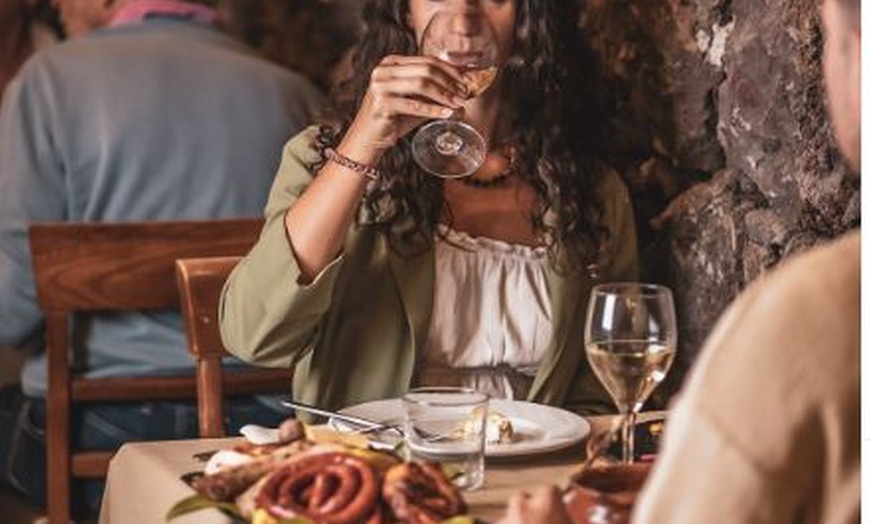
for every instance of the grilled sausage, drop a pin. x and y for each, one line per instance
(337, 488)
(420, 493)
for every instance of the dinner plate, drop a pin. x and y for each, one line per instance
(538, 428)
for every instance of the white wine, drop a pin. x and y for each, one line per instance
(630, 369)
(478, 80)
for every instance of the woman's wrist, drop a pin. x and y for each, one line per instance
(368, 170)
(363, 142)
(358, 150)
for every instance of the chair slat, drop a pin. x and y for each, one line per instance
(125, 266)
(128, 389)
(91, 464)
(200, 281)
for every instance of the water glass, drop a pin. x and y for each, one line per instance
(448, 425)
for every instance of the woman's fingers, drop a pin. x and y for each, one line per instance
(428, 63)
(419, 108)
(420, 88)
(405, 91)
(428, 78)
(391, 106)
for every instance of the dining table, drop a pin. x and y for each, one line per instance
(146, 479)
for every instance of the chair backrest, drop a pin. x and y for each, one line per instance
(111, 267)
(200, 281)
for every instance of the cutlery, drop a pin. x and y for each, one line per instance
(368, 426)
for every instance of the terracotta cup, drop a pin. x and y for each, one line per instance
(605, 494)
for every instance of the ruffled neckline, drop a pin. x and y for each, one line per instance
(468, 242)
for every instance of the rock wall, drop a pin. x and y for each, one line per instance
(716, 118)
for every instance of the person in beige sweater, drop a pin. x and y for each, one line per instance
(767, 427)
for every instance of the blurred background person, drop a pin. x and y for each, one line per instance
(147, 112)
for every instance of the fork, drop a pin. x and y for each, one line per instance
(368, 426)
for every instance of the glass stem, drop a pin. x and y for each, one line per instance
(628, 437)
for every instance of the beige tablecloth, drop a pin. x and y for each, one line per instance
(144, 479)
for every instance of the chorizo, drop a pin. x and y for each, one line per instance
(420, 493)
(334, 488)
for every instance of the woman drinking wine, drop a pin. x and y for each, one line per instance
(372, 276)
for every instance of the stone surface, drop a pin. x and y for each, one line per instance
(717, 122)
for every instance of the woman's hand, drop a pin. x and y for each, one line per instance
(543, 506)
(403, 92)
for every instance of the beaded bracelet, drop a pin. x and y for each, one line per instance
(370, 172)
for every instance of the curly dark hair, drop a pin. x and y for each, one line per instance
(547, 114)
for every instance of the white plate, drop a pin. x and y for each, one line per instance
(538, 428)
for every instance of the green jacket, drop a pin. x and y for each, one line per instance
(355, 332)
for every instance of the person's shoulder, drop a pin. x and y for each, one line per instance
(45, 62)
(613, 195)
(799, 324)
(816, 290)
(608, 177)
(64, 55)
(832, 269)
(610, 184)
(298, 85)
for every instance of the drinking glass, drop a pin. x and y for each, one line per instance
(631, 341)
(448, 425)
(450, 148)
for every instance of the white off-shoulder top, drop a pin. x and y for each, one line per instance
(492, 318)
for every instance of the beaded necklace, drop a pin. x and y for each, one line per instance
(496, 181)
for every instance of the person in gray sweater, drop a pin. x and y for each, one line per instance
(148, 112)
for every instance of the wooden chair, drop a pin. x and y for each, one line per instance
(200, 281)
(89, 267)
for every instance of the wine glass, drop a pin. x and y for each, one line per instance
(631, 341)
(450, 148)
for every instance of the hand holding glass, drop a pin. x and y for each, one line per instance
(466, 39)
(631, 341)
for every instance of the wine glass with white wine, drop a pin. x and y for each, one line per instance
(450, 148)
(631, 341)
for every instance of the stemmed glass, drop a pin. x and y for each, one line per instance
(631, 341)
(450, 148)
